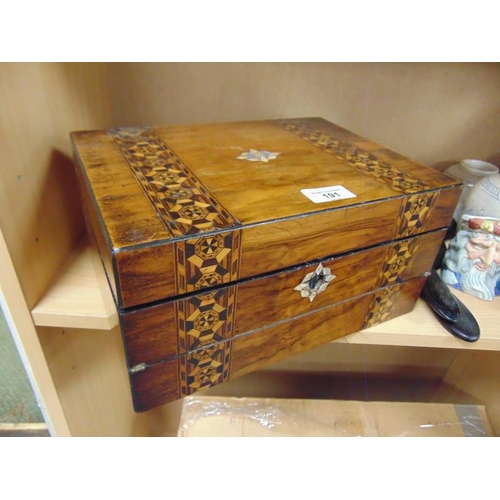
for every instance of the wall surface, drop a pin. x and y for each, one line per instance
(40, 214)
(436, 113)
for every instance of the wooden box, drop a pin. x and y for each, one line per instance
(231, 246)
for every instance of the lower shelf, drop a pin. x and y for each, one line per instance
(421, 329)
(80, 298)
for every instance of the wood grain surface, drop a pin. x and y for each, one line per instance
(163, 382)
(209, 343)
(205, 249)
(152, 333)
(153, 188)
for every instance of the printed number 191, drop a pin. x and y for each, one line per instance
(326, 194)
(331, 195)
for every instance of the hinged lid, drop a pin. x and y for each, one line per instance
(181, 208)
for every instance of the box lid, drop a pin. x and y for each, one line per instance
(176, 209)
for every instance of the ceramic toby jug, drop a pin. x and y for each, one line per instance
(472, 261)
(484, 197)
(470, 172)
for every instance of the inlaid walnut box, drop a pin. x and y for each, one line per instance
(231, 246)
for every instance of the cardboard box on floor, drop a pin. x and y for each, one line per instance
(204, 416)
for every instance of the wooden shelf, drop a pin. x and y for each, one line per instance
(421, 329)
(80, 298)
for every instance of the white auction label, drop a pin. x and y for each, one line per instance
(331, 193)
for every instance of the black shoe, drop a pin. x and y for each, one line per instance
(451, 313)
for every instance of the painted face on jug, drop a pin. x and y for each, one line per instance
(484, 250)
(472, 262)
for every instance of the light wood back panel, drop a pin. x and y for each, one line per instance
(473, 378)
(40, 213)
(436, 113)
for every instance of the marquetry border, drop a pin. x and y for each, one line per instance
(204, 368)
(362, 160)
(381, 305)
(416, 211)
(396, 262)
(183, 203)
(207, 261)
(205, 325)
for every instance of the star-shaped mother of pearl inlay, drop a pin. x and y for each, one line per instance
(256, 155)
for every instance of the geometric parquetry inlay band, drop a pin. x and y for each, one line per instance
(397, 259)
(184, 204)
(381, 170)
(415, 213)
(205, 326)
(207, 261)
(204, 368)
(381, 306)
